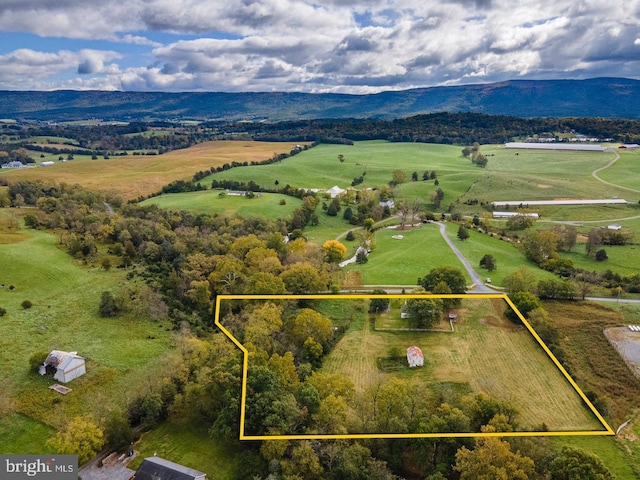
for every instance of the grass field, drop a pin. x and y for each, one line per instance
(508, 257)
(319, 168)
(120, 351)
(625, 171)
(401, 262)
(541, 175)
(487, 352)
(133, 176)
(191, 446)
(209, 201)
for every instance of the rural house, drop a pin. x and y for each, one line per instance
(65, 366)
(156, 468)
(415, 357)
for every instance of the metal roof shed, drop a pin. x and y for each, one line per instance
(156, 468)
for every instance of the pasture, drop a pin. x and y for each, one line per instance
(319, 167)
(267, 205)
(401, 262)
(624, 172)
(487, 352)
(133, 176)
(508, 258)
(542, 175)
(120, 352)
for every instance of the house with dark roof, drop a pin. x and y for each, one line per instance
(156, 468)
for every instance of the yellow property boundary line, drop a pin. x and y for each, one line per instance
(220, 298)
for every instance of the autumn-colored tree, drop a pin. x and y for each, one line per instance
(80, 436)
(334, 251)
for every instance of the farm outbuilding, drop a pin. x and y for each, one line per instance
(156, 468)
(555, 146)
(415, 356)
(65, 366)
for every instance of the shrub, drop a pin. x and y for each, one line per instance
(601, 255)
(36, 360)
(283, 201)
(108, 307)
(3, 312)
(350, 236)
(26, 304)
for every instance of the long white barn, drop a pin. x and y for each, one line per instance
(575, 201)
(589, 147)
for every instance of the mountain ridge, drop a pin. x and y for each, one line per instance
(606, 97)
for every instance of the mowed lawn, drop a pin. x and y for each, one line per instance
(487, 352)
(319, 167)
(625, 171)
(402, 262)
(508, 257)
(266, 205)
(133, 176)
(120, 352)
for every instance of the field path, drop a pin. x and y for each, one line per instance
(598, 170)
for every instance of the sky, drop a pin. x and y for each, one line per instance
(340, 46)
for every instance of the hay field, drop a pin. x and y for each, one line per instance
(487, 352)
(134, 176)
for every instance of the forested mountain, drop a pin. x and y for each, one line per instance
(600, 97)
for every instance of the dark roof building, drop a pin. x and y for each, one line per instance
(156, 468)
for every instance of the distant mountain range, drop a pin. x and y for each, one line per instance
(598, 97)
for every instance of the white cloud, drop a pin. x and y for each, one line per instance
(336, 45)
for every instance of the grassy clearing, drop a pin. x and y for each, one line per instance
(401, 262)
(209, 201)
(487, 352)
(21, 435)
(133, 176)
(190, 446)
(120, 352)
(508, 257)
(319, 168)
(538, 175)
(625, 171)
(622, 259)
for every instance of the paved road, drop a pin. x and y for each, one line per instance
(475, 278)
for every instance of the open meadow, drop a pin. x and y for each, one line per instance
(487, 352)
(133, 176)
(264, 205)
(120, 352)
(402, 261)
(320, 167)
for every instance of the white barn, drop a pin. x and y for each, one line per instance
(415, 357)
(335, 191)
(67, 365)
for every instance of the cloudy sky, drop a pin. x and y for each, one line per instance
(342, 46)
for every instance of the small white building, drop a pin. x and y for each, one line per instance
(67, 365)
(46, 164)
(615, 226)
(415, 357)
(335, 191)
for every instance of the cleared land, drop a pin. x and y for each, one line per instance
(401, 262)
(134, 176)
(208, 201)
(319, 167)
(120, 352)
(487, 352)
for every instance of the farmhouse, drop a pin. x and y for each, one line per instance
(65, 366)
(415, 357)
(14, 164)
(555, 146)
(156, 468)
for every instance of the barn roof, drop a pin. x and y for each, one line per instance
(156, 468)
(60, 360)
(415, 351)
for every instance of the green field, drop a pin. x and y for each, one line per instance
(319, 167)
(487, 352)
(508, 257)
(120, 351)
(624, 172)
(401, 262)
(267, 205)
(189, 446)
